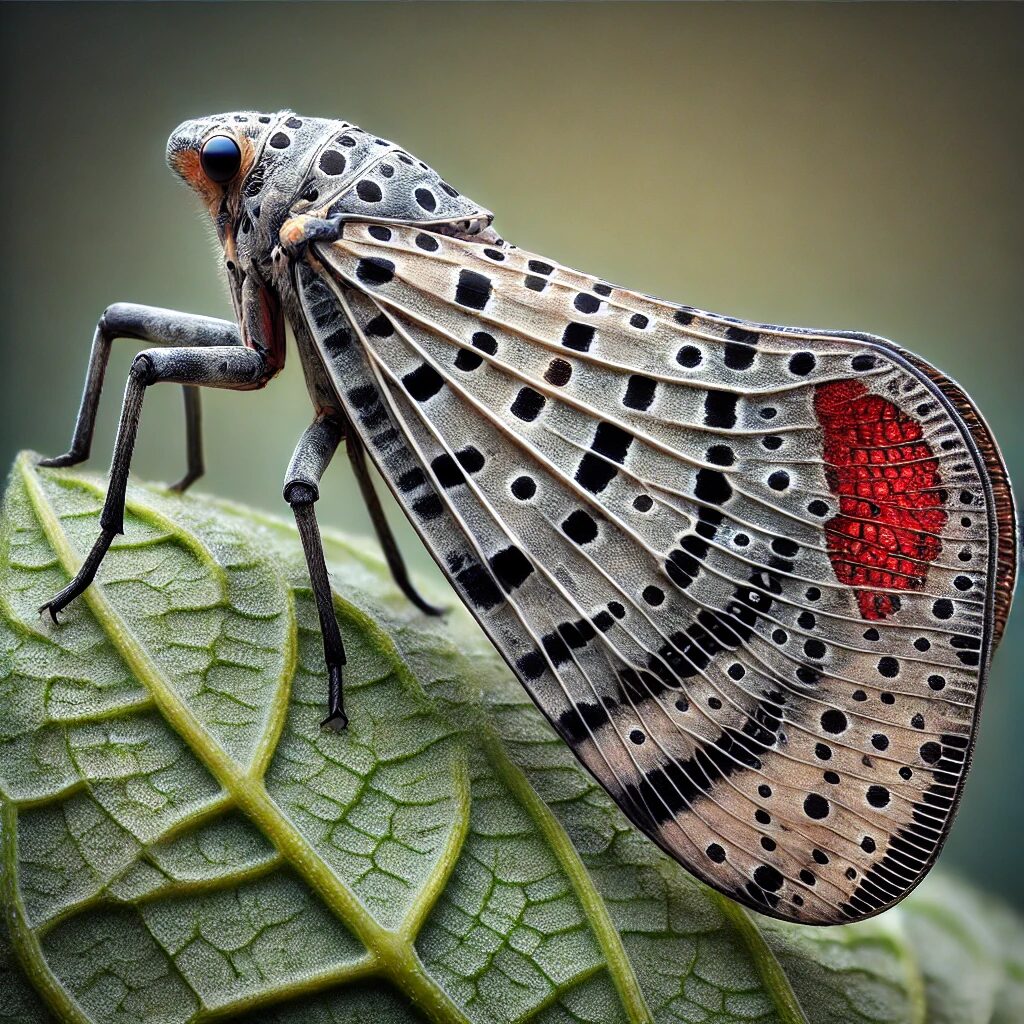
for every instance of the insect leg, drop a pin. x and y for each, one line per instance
(314, 451)
(392, 553)
(234, 367)
(161, 327)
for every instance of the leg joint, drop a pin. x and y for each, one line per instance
(299, 492)
(143, 369)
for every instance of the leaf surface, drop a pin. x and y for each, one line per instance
(181, 843)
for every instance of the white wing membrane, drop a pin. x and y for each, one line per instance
(746, 572)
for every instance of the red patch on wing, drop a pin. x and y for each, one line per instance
(888, 485)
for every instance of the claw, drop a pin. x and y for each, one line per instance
(337, 721)
(59, 461)
(184, 483)
(52, 608)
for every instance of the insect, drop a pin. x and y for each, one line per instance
(752, 575)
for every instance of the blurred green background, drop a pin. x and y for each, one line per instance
(844, 166)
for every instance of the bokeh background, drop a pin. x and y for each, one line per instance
(848, 166)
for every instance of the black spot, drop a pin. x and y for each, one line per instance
(819, 857)
(578, 336)
(473, 289)
(768, 413)
(764, 790)
(832, 778)
(833, 721)
(721, 455)
(779, 636)
(470, 458)
(736, 671)
(779, 480)
(936, 682)
(636, 736)
(586, 303)
(369, 191)
(688, 356)
(580, 527)
(871, 634)
(422, 383)
(380, 327)
(639, 321)
(280, 141)
(524, 487)
(878, 796)
(387, 170)
(603, 289)
(816, 806)
(535, 284)
(467, 360)
(639, 392)
(447, 472)
(375, 270)
(528, 404)
(917, 721)
(963, 583)
(616, 609)
(738, 357)
(511, 567)
(426, 199)
(922, 644)
(539, 267)
(580, 721)
(611, 441)
(643, 503)
(594, 473)
(863, 362)
(683, 316)
(426, 242)
(768, 877)
(293, 122)
(558, 372)
(888, 698)
(762, 817)
(880, 741)
(411, 479)
(428, 507)
(817, 508)
(714, 703)
(867, 844)
(603, 621)
(716, 853)
(332, 162)
(943, 609)
(930, 752)
(346, 140)
(381, 233)
(653, 595)
(772, 442)
(888, 667)
(801, 363)
(814, 649)
(711, 486)
(264, 119)
(532, 666)
(720, 409)
(806, 620)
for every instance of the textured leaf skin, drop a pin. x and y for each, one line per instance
(181, 843)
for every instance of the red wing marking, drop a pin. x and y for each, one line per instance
(889, 489)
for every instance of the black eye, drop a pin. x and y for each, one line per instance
(220, 158)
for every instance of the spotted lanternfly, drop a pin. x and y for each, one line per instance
(752, 575)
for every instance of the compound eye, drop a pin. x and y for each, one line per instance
(220, 158)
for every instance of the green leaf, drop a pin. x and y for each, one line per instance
(181, 843)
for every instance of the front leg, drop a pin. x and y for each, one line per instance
(235, 368)
(159, 327)
(312, 455)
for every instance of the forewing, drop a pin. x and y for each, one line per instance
(749, 573)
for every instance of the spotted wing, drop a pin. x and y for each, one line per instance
(752, 575)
